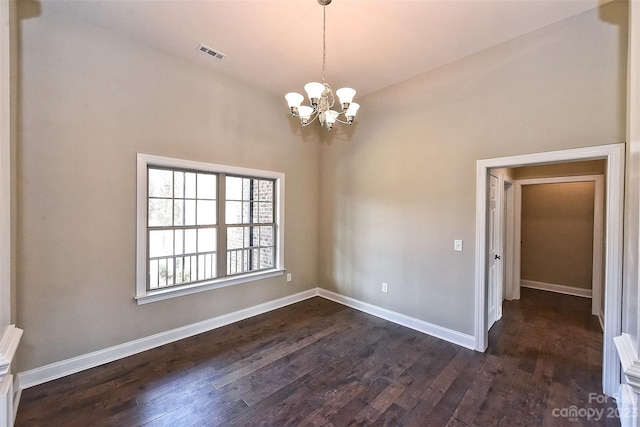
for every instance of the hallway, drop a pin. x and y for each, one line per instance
(552, 345)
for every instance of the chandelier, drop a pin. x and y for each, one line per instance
(321, 96)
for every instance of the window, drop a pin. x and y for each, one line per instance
(203, 226)
(250, 224)
(181, 227)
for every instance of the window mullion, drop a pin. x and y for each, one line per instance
(222, 226)
(173, 228)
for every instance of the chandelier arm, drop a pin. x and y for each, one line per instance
(342, 121)
(315, 116)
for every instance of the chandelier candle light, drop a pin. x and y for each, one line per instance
(321, 96)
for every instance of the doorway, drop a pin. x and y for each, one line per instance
(590, 231)
(614, 187)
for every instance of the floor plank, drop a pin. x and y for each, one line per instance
(317, 363)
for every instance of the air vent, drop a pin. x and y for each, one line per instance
(216, 54)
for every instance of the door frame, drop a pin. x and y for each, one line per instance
(598, 233)
(613, 155)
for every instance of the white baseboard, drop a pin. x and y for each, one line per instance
(66, 367)
(450, 335)
(552, 287)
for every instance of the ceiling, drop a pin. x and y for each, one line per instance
(277, 44)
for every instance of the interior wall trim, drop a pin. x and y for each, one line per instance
(66, 367)
(560, 289)
(614, 155)
(597, 276)
(627, 398)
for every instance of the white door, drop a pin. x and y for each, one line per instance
(494, 267)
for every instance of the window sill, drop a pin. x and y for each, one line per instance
(162, 294)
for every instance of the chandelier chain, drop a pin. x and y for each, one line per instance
(324, 39)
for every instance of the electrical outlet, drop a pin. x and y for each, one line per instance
(385, 287)
(288, 277)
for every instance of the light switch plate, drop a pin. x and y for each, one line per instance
(457, 245)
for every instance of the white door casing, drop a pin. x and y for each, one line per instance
(613, 155)
(9, 334)
(598, 232)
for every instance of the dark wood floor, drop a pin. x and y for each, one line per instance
(317, 363)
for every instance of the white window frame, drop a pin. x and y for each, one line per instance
(144, 295)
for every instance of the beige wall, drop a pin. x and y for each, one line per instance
(557, 233)
(402, 189)
(89, 102)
